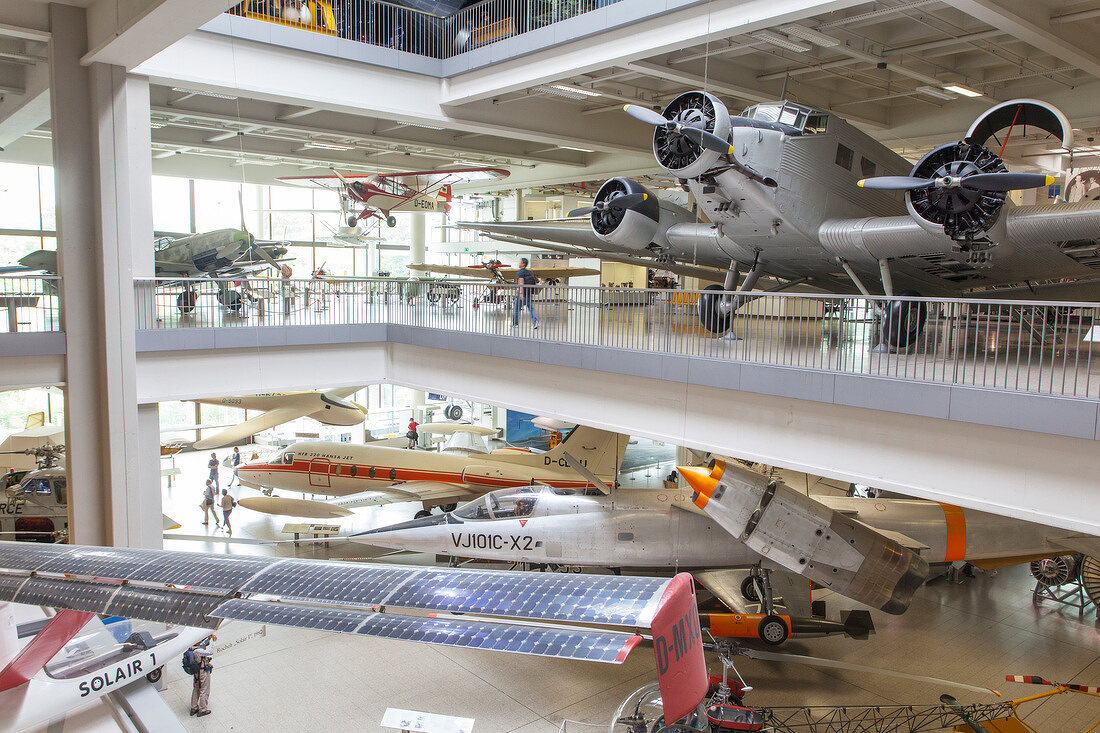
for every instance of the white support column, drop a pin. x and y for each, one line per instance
(418, 252)
(148, 510)
(104, 223)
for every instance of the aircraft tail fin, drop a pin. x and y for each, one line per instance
(445, 193)
(678, 648)
(600, 451)
(42, 648)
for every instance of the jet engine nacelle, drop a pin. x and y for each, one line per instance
(632, 227)
(811, 539)
(964, 213)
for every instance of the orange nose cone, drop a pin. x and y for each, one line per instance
(699, 479)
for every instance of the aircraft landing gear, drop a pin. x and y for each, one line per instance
(716, 310)
(757, 588)
(185, 302)
(903, 322)
(391, 221)
(422, 513)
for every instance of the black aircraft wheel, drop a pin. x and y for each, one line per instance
(433, 296)
(391, 221)
(710, 314)
(155, 675)
(422, 513)
(453, 412)
(185, 301)
(352, 221)
(773, 630)
(904, 321)
(748, 590)
(448, 507)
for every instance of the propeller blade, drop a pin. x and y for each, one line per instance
(708, 140)
(582, 211)
(851, 666)
(896, 183)
(625, 202)
(644, 114)
(1006, 181)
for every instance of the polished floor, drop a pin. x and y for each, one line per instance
(975, 632)
(1027, 348)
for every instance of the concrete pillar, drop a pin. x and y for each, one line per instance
(101, 150)
(520, 215)
(418, 242)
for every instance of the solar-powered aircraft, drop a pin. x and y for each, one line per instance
(795, 196)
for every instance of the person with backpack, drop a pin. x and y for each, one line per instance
(412, 436)
(198, 661)
(208, 495)
(227, 502)
(526, 281)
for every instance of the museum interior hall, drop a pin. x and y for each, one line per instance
(549, 366)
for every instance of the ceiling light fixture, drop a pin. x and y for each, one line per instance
(962, 90)
(809, 34)
(579, 150)
(201, 93)
(776, 39)
(326, 146)
(935, 92)
(577, 90)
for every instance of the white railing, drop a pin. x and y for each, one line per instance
(29, 304)
(1021, 346)
(402, 28)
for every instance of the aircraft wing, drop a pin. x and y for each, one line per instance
(561, 273)
(461, 270)
(1083, 543)
(254, 425)
(203, 590)
(469, 174)
(450, 428)
(576, 232)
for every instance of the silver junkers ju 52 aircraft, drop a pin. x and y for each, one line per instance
(801, 197)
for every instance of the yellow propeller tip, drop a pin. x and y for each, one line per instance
(860, 183)
(626, 106)
(1050, 180)
(645, 196)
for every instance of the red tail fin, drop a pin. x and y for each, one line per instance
(678, 646)
(445, 192)
(46, 643)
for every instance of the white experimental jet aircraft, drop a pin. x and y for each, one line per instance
(779, 200)
(894, 540)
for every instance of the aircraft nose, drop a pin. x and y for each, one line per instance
(435, 519)
(699, 479)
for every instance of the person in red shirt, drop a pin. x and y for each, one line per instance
(412, 434)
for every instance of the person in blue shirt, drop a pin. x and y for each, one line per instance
(526, 280)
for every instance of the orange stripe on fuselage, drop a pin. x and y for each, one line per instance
(955, 546)
(382, 473)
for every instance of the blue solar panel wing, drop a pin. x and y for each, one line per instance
(9, 584)
(287, 614)
(167, 605)
(351, 584)
(561, 642)
(201, 570)
(29, 555)
(100, 562)
(595, 599)
(77, 595)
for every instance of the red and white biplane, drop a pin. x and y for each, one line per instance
(381, 194)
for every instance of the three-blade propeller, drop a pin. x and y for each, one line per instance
(619, 203)
(701, 137)
(993, 182)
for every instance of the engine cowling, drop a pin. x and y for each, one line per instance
(959, 212)
(679, 155)
(632, 227)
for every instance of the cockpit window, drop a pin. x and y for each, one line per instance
(288, 458)
(809, 121)
(507, 504)
(36, 486)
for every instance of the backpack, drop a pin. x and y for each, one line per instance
(190, 664)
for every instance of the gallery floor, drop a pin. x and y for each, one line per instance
(975, 632)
